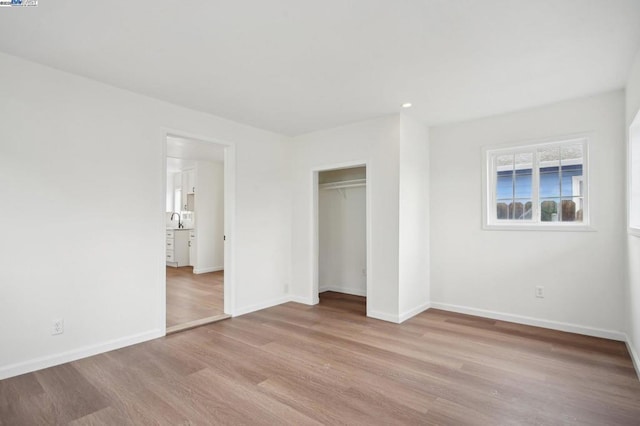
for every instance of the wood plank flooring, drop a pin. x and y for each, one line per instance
(329, 364)
(191, 297)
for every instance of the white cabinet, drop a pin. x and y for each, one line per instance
(190, 176)
(192, 248)
(188, 183)
(177, 247)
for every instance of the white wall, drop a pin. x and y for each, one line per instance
(396, 151)
(342, 235)
(495, 272)
(633, 242)
(82, 163)
(376, 142)
(209, 217)
(414, 218)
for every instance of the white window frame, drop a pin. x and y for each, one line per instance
(633, 173)
(489, 180)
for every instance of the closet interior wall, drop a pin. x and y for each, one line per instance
(342, 263)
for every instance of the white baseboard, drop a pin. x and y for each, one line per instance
(537, 322)
(413, 312)
(303, 300)
(634, 355)
(205, 270)
(262, 305)
(346, 290)
(73, 355)
(397, 319)
(384, 316)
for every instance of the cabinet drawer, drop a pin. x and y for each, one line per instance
(170, 256)
(170, 234)
(170, 243)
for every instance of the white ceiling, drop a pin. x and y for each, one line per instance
(294, 66)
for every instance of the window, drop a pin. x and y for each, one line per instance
(634, 177)
(537, 186)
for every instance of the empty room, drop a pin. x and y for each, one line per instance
(337, 212)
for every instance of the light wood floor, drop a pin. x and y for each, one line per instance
(192, 296)
(329, 364)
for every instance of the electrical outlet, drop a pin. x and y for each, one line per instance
(540, 291)
(57, 326)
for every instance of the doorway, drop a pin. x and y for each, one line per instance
(342, 236)
(195, 223)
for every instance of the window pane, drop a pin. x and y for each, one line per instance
(549, 210)
(549, 157)
(549, 182)
(571, 154)
(502, 211)
(572, 210)
(572, 160)
(505, 174)
(520, 209)
(549, 164)
(523, 175)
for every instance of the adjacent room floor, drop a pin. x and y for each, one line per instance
(192, 297)
(299, 364)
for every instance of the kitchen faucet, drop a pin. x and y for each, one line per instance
(180, 225)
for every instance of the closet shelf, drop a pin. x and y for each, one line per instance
(344, 184)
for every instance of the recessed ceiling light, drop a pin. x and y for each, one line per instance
(406, 105)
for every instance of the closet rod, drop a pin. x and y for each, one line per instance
(344, 184)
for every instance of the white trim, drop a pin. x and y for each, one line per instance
(262, 305)
(206, 270)
(413, 312)
(561, 227)
(346, 290)
(303, 300)
(196, 323)
(536, 322)
(315, 237)
(633, 232)
(73, 355)
(383, 316)
(635, 359)
(229, 218)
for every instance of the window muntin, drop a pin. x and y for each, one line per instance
(541, 184)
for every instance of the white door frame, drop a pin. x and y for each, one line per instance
(315, 249)
(229, 222)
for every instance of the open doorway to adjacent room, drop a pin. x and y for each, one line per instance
(195, 233)
(342, 237)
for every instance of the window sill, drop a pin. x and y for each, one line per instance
(540, 227)
(634, 232)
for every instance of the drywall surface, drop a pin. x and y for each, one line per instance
(376, 143)
(414, 218)
(633, 241)
(209, 212)
(342, 236)
(497, 271)
(82, 165)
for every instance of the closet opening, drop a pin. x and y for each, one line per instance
(342, 237)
